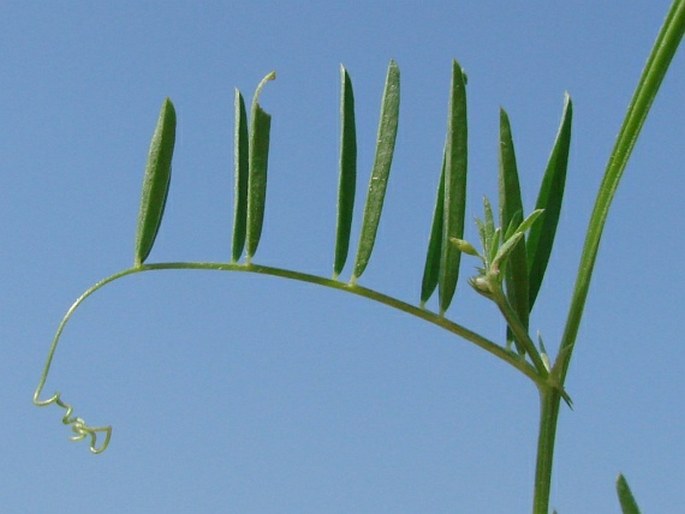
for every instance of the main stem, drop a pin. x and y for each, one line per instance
(550, 401)
(664, 49)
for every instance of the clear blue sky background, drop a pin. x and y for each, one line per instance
(247, 394)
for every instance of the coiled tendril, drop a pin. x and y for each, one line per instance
(78, 425)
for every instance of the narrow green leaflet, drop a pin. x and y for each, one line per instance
(541, 237)
(489, 235)
(507, 247)
(260, 128)
(431, 270)
(625, 497)
(385, 147)
(511, 213)
(455, 187)
(155, 182)
(494, 245)
(530, 221)
(348, 172)
(241, 163)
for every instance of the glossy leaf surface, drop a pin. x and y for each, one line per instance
(348, 172)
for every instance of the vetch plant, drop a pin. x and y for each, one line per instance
(514, 247)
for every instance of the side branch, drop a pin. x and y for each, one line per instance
(83, 430)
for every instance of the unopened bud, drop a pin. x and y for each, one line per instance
(464, 246)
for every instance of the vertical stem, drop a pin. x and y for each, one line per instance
(659, 60)
(664, 49)
(550, 400)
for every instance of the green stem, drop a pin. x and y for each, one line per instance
(371, 294)
(657, 64)
(519, 331)
(63, 323)
(659, 60)
(82, 430)
(550, 400)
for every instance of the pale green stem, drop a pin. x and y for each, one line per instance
(519, 331)
(82, 429)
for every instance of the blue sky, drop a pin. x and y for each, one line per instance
(240, 393)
